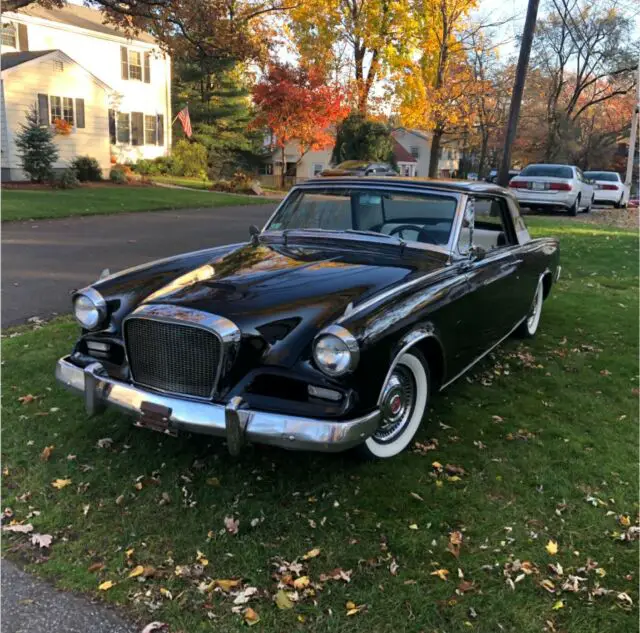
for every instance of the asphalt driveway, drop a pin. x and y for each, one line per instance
(44, 260)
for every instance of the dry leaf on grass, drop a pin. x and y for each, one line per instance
(106, 585)
(105, 442)
(153, 627)
(250, 616)
(42, 540)
(23, 528)
(313, 553)
(227, 585)
(138, 570)
(28, 398)
(46, 453)
(166, 593)
(232, 525)
(61, 483)
(552, 547)
(282, 600)
(95, 567)
(245, 595)
(352, 608)
(441, 573)
(301, 583)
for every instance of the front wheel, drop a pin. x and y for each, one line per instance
(529, 326)
(404, 402)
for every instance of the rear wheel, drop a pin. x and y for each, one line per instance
(590, 205)
(404, 402)
(573, 210)
(529, 327)
(619, 204)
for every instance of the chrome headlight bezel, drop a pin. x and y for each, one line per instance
(347, 346)
(98, 308)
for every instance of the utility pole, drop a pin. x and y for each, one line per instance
(518, 89)
(633, 138)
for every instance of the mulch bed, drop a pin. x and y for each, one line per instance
(620, 218)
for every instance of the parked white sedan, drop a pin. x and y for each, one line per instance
(553, 187)
(608, 187)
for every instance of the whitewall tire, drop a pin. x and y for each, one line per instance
(404, 402)
(529, 326)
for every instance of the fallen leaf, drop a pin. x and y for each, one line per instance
(154, 626)
(624, 520)
(138, 570)
(105, 442)
(548, 585)
(119, 500)
(232, 525)
(552, 548)
(166, 593)
(106, 585)
(227, 585)
(201, 558)
(95, 567)
(245, 595)
(415, 495)
(600, 571)
(558, 605)
(352, 608)
(436, 465)
(42, 540)
(213, 481)
(24, 528)
(465, 585)
(313, 553)
(283, 601)
(27, 399)
(250, 616)
(60, 483)
(46, 453)
(301, 583)
(85, 508)
(452, 469)
(413, 526)
(441, 573)
(393, 567)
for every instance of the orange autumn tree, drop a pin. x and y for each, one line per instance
(297, 105)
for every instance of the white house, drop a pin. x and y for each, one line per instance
(418, 144)
(114, 92)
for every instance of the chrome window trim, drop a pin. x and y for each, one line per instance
(348, 339)
(98, 300)
(228, 333)
(391, 186)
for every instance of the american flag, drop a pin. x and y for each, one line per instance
(183, 115)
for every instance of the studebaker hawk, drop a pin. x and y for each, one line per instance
(330, 329)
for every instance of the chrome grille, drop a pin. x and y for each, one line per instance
(172, 357)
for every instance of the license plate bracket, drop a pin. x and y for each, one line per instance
(538, 186)
(156, 418)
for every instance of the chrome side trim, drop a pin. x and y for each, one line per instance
(348, 339)
(227, 332)
(406, 343)
(470, 365)
(98, 300)
(231, 421)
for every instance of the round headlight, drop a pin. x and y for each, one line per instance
(88, 308)
(336, 351)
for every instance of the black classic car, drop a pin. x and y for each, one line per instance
(330, 329)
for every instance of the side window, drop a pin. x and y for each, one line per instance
(489, 228)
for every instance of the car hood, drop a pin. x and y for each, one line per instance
(273, 291)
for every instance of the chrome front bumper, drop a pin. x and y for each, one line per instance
(233, 422)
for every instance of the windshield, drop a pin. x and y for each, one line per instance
(547, 171)
(413, 217)
(606, 176)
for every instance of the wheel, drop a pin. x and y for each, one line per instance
(620, 204)
(405, 398)
(573, 211)
(529, 326)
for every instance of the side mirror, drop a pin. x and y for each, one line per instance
(477, 253)
(254, 233)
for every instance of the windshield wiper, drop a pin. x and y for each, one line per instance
(374, 233)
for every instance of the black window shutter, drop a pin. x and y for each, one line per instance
(147, 68)
(23, 37)
(137, 128)
(160, 129)
(79, 113)
(112, 127)
(43, 109)
(124, 62)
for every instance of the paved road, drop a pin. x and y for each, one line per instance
(44, 260)
(33, 606)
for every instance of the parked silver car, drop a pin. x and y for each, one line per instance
(608, 187)
(553, 187)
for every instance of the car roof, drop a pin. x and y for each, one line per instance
(549, 165)
(454, 186)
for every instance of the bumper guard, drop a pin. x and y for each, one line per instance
(235, 423)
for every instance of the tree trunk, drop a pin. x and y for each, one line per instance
(483, 153)
(283, 171)
(435, 153)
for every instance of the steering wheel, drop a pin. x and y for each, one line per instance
(422, 234)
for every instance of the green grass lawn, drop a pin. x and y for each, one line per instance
(545, 434)
(183, 181)
(35, 204)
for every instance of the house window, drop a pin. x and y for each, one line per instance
(123, 134)
(58, 66)
(9, 36)
(317, 168)
(150, 130)
(112, 127)
(137, 128)
(67, 109)
(135, 65)
(415, 151)
(56, 108)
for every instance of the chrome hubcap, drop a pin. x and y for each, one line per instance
(398, 402)
(532, 321)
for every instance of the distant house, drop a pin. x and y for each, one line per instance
(411, 151)
(114, 92)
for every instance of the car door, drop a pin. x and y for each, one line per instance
(586, 189)
(492, 273)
